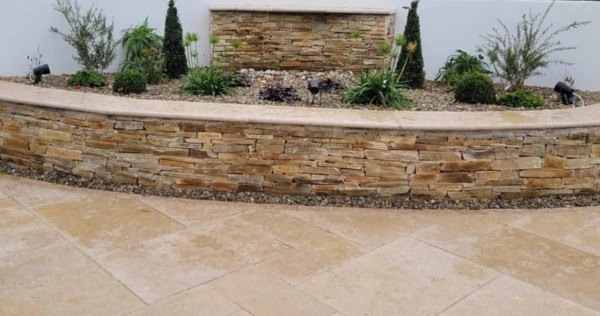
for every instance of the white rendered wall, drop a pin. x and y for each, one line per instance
(446, 25)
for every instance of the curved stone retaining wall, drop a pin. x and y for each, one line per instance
(296, 159)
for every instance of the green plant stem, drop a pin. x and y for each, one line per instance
(404, 67)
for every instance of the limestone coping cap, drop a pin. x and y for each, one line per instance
(579, 117)
(300, 9)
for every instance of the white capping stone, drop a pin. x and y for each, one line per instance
(580, 117)
(302, 9)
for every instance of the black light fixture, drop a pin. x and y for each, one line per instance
(36, 74)
(314, 89)
(566, 93)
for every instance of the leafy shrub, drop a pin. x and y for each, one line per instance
(378, 87)
(521, 98)
(410, 62)
(241, 80)
(329, 85)
(459, 64)
(90, 34)
(175, 59)
(138, 39)
(87, 78)
(151, 64)
(129, 81)
(279, 93)
(518, 56)
(208, 81)
(475, 88)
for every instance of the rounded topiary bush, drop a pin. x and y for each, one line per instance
(130, 81)
(475, 88)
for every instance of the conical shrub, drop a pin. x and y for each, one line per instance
(414, 74)
(175, 59)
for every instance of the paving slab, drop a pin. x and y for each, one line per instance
(21, 231)
(406, 277)
(58, 281)
(506, 296)
(70, 251)
(566, 271)
(170, 264)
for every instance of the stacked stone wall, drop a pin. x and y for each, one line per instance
(301, 41)
(305, 160)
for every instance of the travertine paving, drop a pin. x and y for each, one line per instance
(67, 251)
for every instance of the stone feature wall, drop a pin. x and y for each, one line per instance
(301, 41)
(306, 160)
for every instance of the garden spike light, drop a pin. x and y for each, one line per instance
(36, 74)
(314, 89)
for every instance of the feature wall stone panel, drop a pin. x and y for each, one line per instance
(301, 41)
(306, 160)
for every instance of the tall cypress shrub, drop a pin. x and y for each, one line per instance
(414, 74)
(175, 59)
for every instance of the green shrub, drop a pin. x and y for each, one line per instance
(139, 38)
(459, 64)
(87, 78)
(521, 98)
(151, 64)
(90, 34)
(208, 81)
(410, 62)
(175, 59)
(521, 54)
(129, 81)
(378, 87)
(475, 88)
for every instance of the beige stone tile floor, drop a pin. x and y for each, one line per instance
(68, 251)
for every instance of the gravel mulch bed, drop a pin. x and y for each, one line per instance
(434, 97)
(261, 198)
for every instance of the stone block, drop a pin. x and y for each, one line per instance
(546, 173)
(554, 162)
(573, 151)
(386, 172)
(456, 177)
(439, 156)
(252, 169)
(517, 164)
(582, 163)
(536, 150)
(225, 148)
(64, 153)
(424, 178)
(468, 195)
(488, 175)
(546, 183)
(129, 125)
(507, 153)
(479, 154)
(428, 168)
(370, 145)
(54, 134)
(479, 165)
(392, 155)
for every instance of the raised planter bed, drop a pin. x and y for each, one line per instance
(306, 151)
